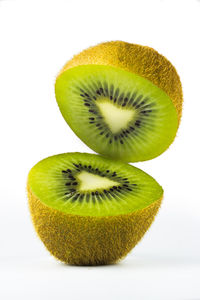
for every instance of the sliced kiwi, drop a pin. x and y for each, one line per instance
(124, 101)
(117, 113)
(89, 210)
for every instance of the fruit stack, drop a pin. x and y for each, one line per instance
(124, 101)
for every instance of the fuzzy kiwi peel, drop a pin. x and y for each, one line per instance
(89, 210)
(123, 100)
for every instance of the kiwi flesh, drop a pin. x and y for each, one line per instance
(90, 210)
(123, 100)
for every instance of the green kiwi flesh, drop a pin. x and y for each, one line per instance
(116, 113)
(90, 185)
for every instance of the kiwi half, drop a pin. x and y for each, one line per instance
(89, 210)
(123, 100)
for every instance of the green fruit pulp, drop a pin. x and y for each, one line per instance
(91, 185)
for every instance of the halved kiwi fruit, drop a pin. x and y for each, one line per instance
(123, 100)
(89, 210)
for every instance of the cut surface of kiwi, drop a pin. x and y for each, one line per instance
(89, 185)
(91, 210)
(117, 113)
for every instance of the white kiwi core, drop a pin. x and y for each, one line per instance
(91, 182)
(115, 117)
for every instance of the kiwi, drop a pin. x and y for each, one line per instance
(90, 210)
(123, 100)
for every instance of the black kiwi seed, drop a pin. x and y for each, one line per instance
(63, 171)
(142, 103)
(87, 197)
(74, 199)
(124, 132)
(81, 198)
(98, 92)
(137, 123)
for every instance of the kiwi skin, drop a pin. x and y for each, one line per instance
(83, 240)
(141, 60)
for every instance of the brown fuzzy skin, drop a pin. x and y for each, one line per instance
(141, 60)
(85, 240)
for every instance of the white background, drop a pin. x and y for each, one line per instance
(36, 39)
